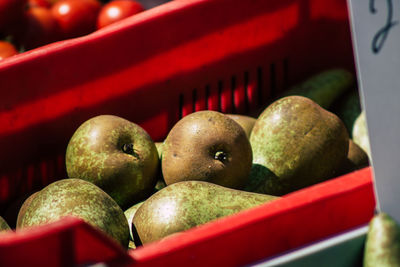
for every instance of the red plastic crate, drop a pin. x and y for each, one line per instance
(234, 56)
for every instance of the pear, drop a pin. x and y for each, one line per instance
(357, 155)
(129, 213)
(160, 179)
(184, 205)
(159, 146)
(79, 198)
(207, 146)
(160, 184)
(247, 122)
(296, 143)
(360, 133)
(4, 225)
(115, 154)
(23, 208)
(356, 159)
(348, 108)
(325, 87)
(382, 245)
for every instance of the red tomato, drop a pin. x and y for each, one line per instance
(10, 12)
(7, 50)
(41, 3)
(76, 17)
(40, 27)
(117, 10)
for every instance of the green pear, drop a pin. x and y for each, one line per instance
(356, 159)
(79, 198)
(348, 108)
(382, 245)
(159, 146)
(325, 87)
(23, 208)
(360, 133)
(207, 146)
(246, 122)
(160, 180)
(184, 205)
(115, 154)
(357, 155)
(295, 143)
(129, 213)
(4, 225)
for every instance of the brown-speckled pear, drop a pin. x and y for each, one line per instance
(4, 225)
(184, 205)
(82, 199)
(23, 208)
(129, 213)
(382, 246)
(295, 143)
(115, 154)
(207, 146)
(246, 122)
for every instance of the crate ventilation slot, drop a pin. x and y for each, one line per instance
(238, 94)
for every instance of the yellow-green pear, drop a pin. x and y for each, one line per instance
(183, 205)
(382, 246)
(296, 143)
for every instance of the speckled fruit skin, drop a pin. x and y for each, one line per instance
(184, 205)
(191, 146)
(76, 197)
(23, 208)
(95, 153)
(4, 225)
(129, 214)
(382, 246)
(246, 122)
(296, 143)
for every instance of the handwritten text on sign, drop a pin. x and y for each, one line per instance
(376, 40)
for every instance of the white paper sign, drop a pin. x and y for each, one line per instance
(376, 41)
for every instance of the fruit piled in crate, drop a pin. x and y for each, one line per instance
(210, 164)
(28, 24)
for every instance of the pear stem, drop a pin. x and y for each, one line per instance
(221, 156)
(128, 149)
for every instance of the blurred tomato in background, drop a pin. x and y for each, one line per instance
(7, 50)
(40, 27)
(117, 10)
(28, 24)
(76, 17)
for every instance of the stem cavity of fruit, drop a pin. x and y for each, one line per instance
(221, 156)
(128, 149)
